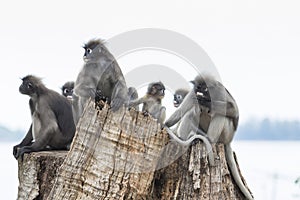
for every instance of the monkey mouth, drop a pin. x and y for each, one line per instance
(85, 59)
(199, 94)
(175, 104)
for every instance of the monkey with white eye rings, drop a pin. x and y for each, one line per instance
(52, 126)
(67, 89)
(100, 73)
(179, 95)
(152, 101)
(217, 117)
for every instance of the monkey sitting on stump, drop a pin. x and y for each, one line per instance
(186, 118)
(152, 101)
(52, 126)
(100, 72)
(217, 116)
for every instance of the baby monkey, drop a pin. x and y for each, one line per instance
(152, 101)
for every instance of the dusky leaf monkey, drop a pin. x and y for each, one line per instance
(179, 95)
(100, 72)
(67, 89)
(217, 116)
(186, 118)
(52, 126)
(152, 101)
(133, 95)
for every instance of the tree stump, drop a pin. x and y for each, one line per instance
(126, 155)
(37, 173)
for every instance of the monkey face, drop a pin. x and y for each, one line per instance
(202, 93)
(157, 90)
(67, 89)
(177, 100)
(27, 87)
(92, 51)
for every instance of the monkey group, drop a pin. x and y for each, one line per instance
(207, 111)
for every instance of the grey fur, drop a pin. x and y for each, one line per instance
(152, 101)
(179, 95)
(133, 95)
(100, 72)
(67, 89)
(52, 124)
(218, 117)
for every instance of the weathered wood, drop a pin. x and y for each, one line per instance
(191, 177)
(37, 173)
(125, 155)
(113, 156)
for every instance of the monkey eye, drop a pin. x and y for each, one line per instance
(206, 89)
(88, 50)
(29, 85)
(66, 91)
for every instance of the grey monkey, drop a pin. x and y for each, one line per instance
(100, 74)
(179, 95)
(133, 95)
(187, 119)
(218, 118)
(67, 89)
(52, 124)
(152, 101)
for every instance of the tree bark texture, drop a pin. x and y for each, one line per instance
(126, 155)
(37, 173)
(113, 156)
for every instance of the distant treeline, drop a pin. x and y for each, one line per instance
(269, 130)
(261, 130)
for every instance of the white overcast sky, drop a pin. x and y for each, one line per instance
(255, 45)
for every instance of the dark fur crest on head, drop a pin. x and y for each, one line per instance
(36, 82)
(33, 79)
(94, 43)
(182, 91)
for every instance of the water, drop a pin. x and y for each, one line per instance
(8, 172)
(270, 169)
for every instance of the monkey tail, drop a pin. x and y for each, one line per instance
(192, 136)
(234, 172)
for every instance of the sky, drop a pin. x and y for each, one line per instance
(254, 45)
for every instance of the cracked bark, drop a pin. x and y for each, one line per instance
(123, 155)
